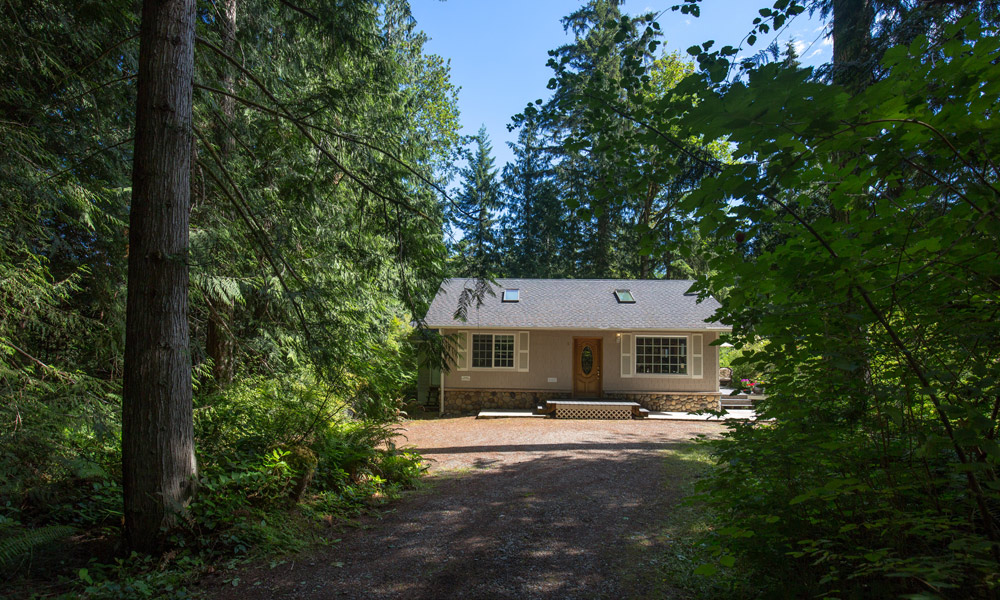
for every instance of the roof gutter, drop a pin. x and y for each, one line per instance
(569, 328)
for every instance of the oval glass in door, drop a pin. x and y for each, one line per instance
(587, 360)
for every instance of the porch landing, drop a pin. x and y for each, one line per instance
(592, 408)
(503, 413)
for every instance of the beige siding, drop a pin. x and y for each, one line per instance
(550, 356)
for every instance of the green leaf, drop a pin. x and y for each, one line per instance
(894, 414)
(706, 569)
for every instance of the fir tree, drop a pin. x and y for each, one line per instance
(475, 213)
(534, 223)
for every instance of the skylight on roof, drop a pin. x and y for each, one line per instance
(512, 295)
(624, 297)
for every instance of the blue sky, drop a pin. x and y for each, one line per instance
(498, 48)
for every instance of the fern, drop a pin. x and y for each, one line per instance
(23, 542)
(218, 288)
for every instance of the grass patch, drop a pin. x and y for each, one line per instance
(667, 561)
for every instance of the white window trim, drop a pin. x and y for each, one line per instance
(493, 342)
(689, 358)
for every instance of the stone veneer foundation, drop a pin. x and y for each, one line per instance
(669, 401)
(464, 402)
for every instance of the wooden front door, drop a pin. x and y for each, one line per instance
(587, 362)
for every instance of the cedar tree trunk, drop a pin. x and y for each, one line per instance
(158, 465)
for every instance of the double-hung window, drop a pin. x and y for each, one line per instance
(492, 351)
(661, 355)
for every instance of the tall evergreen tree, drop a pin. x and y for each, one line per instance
(158, 462)
(475, 211)
(621, 186)
(586, 174)
(317, 132)
(534, 220)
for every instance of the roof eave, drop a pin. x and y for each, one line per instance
(570, 328)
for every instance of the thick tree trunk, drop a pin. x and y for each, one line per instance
(158, 463)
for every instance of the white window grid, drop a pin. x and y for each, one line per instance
(660, 355)
(492, 351)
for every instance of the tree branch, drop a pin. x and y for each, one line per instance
(299, 10)
(305, 131)
(347, 137)
(61, 374)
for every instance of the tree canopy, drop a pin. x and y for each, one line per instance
(320, 139)
(847, 218)
(857, 236)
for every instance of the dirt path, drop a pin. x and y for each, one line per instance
(517, 508)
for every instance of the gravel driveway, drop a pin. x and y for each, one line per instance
(517, 508)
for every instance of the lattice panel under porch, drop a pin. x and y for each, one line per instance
(593, 412)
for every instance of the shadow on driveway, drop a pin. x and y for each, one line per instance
(550, 522)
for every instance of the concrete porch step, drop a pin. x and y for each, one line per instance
(506, 413)
(738, 414)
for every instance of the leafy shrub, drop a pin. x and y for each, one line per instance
(874, 278)
(793, 492)
(257, 413)
(264, 444)
(403, 468)
(745, 361)
(271, 442)
(137, 576)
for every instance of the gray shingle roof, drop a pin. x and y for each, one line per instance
(577, 303)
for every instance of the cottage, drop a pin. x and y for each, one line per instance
(537, 340)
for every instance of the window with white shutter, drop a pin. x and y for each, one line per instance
(522, 350)
(626, 353)
(462, 351)
(697, 360)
